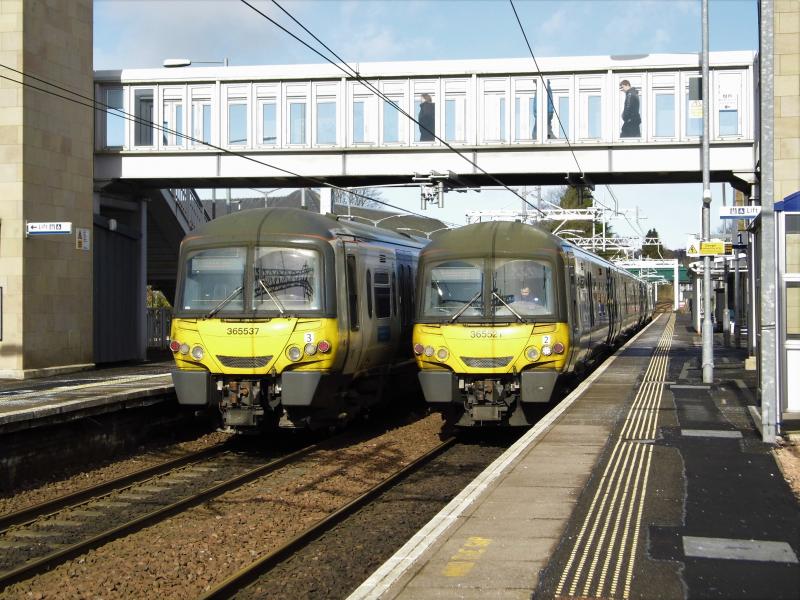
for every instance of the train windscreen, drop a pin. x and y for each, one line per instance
(213, 276)
(286, 279)
(454, 287)
(526, 286)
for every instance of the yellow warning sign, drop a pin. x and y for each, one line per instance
(712, 248)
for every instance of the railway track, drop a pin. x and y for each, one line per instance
(41, 537)
(258, 568)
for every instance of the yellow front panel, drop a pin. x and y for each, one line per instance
(226, 344)
(488, 349)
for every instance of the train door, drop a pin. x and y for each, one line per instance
(353, 278)
(386, 328)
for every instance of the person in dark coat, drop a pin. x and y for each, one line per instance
(631, 119)
(427, 119)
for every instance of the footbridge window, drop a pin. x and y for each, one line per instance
(590, 112)
(172, 118)
(267, 111)
(393, 122)
(455, 110)
(631, 107)
(558, 109)
(143, 111)
(662, 98)
(525, 119)
(425, 111)
(200, 124)
(365, 115)
(495, 127)
(238, 122)
(325, 97)
(296, 102)
(728, 115)
(693, 108)
(113, 98)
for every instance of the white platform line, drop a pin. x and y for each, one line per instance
(394, 568)
(718, 433)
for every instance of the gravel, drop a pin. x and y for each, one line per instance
(190, 553)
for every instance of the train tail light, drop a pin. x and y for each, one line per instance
(558, 348)
(419, 348)
(174, 345)
(324, 346)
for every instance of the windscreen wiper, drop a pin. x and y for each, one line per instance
(222, 304)
(465, 307)
(503, 302)
(271, 297)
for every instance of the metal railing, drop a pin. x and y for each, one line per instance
(158, 325)
(190, 206)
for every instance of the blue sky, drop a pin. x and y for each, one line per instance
(141, 33)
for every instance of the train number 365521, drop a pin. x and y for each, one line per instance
(241, 330)
(484, 334)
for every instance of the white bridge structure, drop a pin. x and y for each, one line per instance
(278, 125)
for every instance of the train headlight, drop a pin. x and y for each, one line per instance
(293, 353)
(174, 345)
(324, 346)
(442, 354)
(428, 351)
(558, 348)
(198, 353)
(546, 350)
(184, 349)
(532, 353)
(310, 349)
(419, 348)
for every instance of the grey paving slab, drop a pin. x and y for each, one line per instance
(529, 529)
(712, 433)
(523, 509)
(477, 574)
(507, 492)
(731, 549)
(467, 593)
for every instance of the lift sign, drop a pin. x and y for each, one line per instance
(63, 228)
(739, 212)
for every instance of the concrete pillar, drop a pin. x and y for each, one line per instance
(45, 175)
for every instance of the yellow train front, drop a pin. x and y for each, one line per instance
(280, 312)
(503, 310)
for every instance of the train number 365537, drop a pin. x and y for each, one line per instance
(484, 334)
(241, 330)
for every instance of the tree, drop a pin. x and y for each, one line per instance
(572, 197)
(652, 250)
(364, 197)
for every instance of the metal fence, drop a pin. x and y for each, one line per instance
(158, 324)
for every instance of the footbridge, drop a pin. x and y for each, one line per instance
(294, 125)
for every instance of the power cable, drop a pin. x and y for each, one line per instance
(547, 91)
(351, 72)
(117, 112)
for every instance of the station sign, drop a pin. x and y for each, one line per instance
(739, 212)
(48, 228)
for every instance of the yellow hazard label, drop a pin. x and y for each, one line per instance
(712, 248)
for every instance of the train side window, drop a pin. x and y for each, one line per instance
(383, 295)
(352, 292)
(369, 294)
(393, 296)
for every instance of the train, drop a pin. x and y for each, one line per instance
(505, 309)
(283, 317)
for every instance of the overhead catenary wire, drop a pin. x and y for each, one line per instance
(98, 106)
(544, 86)
(351, 72)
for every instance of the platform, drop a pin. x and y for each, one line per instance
(643, 483)
(59, 398)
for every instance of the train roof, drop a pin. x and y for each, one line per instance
(492, 238)
(245, 227)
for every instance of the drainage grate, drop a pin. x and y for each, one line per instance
(244, 362)
(487, 363)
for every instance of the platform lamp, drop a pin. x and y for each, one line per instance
(171, 63)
